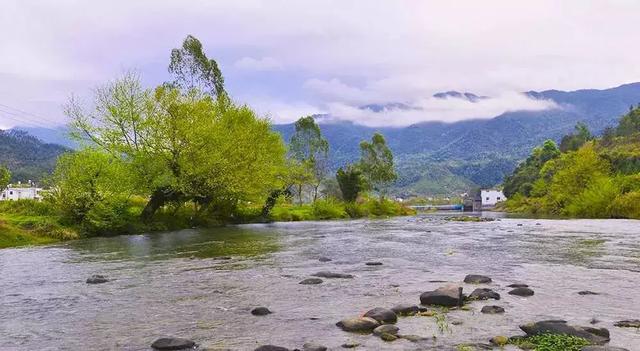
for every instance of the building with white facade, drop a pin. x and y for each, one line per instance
(12, 193)
(491, 197)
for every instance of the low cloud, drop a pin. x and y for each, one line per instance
(435, 109)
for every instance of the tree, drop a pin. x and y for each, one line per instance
(350, 182)
(5, 177)
(376, 163)
(630, 123)
(311, 149)
(573, 141)
(193, 70)
(524, 177)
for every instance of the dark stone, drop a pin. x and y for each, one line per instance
(382, 315)
(324, 259)
(443, 296)
(518, 285)
(388, 337)
(477, 279)
(492, 309)
(405, 309)
(521, 292)
(350, 345)
(519, 224)
(260, 311)
(587, 292)
(593, 335)
(629, 323)
(358, 325)
(271, 348)
(172, 344)
(386, 329)
(311, 281)
(374, 263)
(326, 274)
(313, 347)
(97, 279)
(602, 348)
(484, 294)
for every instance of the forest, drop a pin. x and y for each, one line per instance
(585, 176)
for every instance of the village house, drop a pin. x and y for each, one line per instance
(490, 197)
(21, 192)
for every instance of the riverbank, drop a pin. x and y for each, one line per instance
(25, 223)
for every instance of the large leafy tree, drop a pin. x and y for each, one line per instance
(573, 141)
(376, 163)
(528, 172)
(5, 177)
(184, 144)
(311, 150)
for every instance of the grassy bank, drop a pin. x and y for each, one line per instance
(27, 222)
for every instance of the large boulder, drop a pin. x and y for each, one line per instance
(163, 344)
(521, 292)
(484, 294)
(477, 279)
(594, 335)
(382, 315)
(358, 325)
(492, 310)
(326, 274)
(386, 329)
(260, 311)
(448, 296)
(405, 309)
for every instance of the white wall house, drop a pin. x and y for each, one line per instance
(20, 193)
(491, 197)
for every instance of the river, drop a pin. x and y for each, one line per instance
(202, 284)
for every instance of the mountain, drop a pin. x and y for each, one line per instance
(439, 158)
(26, 156)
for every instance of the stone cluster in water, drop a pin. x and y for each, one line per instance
(381, 321)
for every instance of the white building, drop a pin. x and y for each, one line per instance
(491, 197)
(20, 193)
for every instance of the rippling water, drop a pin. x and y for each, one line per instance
(201, 284)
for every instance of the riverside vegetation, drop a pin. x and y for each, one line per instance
(183, 155)
(584, 177)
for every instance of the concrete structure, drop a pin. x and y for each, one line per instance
(12, 193)
(491, 197)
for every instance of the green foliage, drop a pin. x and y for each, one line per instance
(630, 123)
(527, 173)
(328, 209)
(552, 342)
(194, 71)
(351, 182)
(376, 163)
(575, 140)
(5, 177)
(311, 150)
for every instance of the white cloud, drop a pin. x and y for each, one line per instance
(263, 64)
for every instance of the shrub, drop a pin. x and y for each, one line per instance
(328, 209)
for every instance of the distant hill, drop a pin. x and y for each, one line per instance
(439, 158)
(446, 158)
(26, 156)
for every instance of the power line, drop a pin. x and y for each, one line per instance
(22, 119)
(28, 113)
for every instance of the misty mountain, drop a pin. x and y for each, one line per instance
(26, 156)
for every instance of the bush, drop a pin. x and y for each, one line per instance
(328, 209)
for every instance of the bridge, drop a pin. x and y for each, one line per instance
(459, 207)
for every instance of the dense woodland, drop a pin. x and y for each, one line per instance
(584, 176)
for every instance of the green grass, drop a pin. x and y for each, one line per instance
(325, 209)
(551, 342)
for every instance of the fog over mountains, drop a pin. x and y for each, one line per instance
(437, 158)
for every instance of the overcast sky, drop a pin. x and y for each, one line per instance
(293, 58)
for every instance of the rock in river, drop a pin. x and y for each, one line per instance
(629, 323)
(324, 259)
(326, 274)
(594, 335)
(518, 285)
(405, 309)
(373, 263)
(521, 292)
(602, 348)
(260, 311)
(271, 348)
(587, 292)
(484, 294)
(477, 279)
(172, 344)
(358, 325)
(313, 347)
(311, 281)
(382, 315)
(492, 309)
(97, 279)
(443, 296)
(386, 329)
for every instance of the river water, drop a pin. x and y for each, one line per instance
(202, 284)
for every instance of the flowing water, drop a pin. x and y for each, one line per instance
(202, 284)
